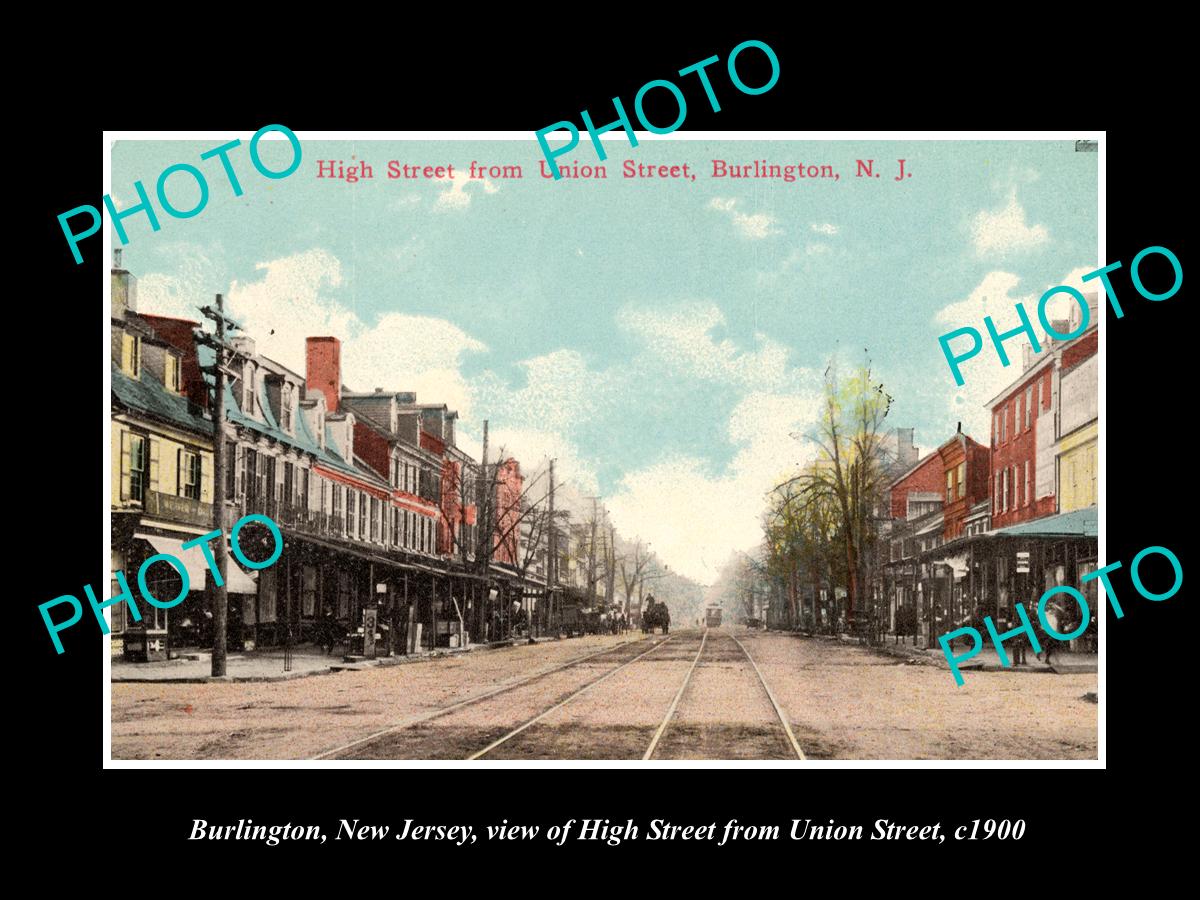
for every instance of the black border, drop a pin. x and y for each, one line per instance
(519, 86)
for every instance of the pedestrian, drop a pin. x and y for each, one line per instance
(1058, 617)
(329, 631)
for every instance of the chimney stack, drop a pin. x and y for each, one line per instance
(323, 369)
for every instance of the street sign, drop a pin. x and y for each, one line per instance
(1022, 562)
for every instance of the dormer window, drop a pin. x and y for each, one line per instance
(171, 373)
(285, 408)
(131, 355)
(248, 390)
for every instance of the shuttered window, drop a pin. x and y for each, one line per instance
(188, 474)
(133, 467)
(155, 448)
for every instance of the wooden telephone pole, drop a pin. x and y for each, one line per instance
(552, 547)
(220, 593)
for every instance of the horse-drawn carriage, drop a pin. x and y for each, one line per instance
(655, 615)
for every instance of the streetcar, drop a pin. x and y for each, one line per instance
(712, 617)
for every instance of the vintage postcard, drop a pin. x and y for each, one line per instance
(720, 447)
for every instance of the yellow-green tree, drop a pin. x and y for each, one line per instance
(850, 473)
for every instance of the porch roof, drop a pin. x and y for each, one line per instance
(1077, 523)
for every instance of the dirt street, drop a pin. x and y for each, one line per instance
(842, 702)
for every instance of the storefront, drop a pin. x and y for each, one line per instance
(162, 632)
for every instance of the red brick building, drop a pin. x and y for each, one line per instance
(965, 473)
(1022, 425)
(918, 491)
(509, 485)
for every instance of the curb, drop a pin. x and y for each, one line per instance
(404, 659)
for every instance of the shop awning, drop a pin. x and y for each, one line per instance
(935, 524)
(236, 580)
(1081, 523)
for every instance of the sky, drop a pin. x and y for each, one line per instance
(662, 339)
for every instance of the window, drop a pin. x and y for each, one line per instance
(996, 502)
(248, 389)
(230, 470)
(995, 429)
(289, 479)
(133, 467)
(1037, 398)
(251, 473)
(266, 478)
(131, 355)
(949, 486)
(1028, 486)
(343, 595)
(351, 517)
(1005, 506)
(336, 499)
(395, 525)
(308, 592)
(362, 517)
(303, 485)
(374, 518)
(1028, 407)
(1014, 486)
(285, 408)
(962, 478)
(189, 475)
(171, 373)
(1004, 425)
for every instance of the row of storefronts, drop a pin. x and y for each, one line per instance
(376, 504)
(976, 529)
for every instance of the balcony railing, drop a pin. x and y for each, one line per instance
(294, 516)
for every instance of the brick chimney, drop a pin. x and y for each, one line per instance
(323, 369)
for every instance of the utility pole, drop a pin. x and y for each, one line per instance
(220, 592)
(592, 558)
(552, 549)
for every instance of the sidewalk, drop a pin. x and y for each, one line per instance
(267, 665)
(264, 665)
(987, 660)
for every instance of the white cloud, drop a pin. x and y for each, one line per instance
(290, 302)
(691, 515)
(681, 338)
(998, 232)
(983, 375)
(750, 225)
(533, 447)
(559, 391)
(827, 229)
(456, 196)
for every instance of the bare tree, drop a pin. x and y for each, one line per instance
(632, 570)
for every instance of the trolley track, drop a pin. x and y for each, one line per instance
(719, 720)
(613, 720)
(360, 748)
